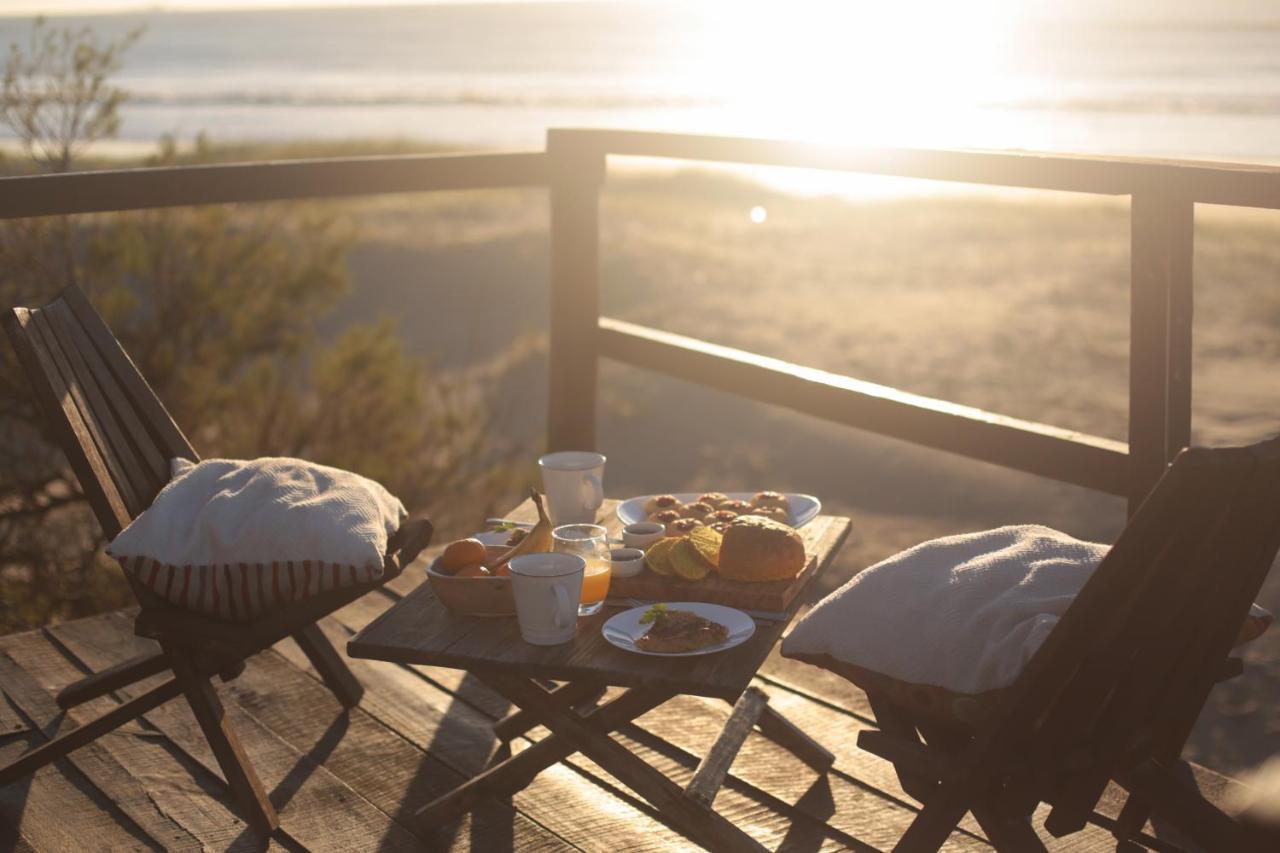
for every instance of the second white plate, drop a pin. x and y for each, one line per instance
(804, 508)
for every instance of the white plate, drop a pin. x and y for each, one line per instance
(804, 508)
(624, 629)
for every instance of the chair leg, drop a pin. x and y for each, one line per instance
(332, 668)
(1007, 831)
(112, 678)
(935, 823)
(115, 718)
(245, 786)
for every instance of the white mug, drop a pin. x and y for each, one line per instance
(547, 588)
(574, 483)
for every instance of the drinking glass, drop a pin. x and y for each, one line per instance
(591, 543)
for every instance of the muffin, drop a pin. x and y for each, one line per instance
(739, 507)
(713, 498)
(760, 549)
(658, 503)
(665, 517)
(776, 513)
(683, 526)
(722, 516)
(697, 509)
(771, 499)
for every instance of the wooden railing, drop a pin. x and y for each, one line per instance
(1163, 198)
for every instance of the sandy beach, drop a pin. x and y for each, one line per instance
(1012, 302)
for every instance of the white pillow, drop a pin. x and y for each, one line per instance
(964, 613)
(234, 538)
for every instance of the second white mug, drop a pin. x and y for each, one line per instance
(574, 483)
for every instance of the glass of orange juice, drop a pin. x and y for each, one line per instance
(591, 543)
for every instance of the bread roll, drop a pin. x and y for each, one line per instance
(713, 498)
(658, 503)
(760, 549)
(682, 526)
(697, 510)
(665, 516)
(773, 499)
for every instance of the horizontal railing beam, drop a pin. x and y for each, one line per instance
(288, 180)
(1066, 455)
(1245, 185)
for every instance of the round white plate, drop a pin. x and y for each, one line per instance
(804, 508)
(624, 629)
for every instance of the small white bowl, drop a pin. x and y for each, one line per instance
(626, 562)
(642, 534)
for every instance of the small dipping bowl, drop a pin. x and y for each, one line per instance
(642, 534)
(626, 562)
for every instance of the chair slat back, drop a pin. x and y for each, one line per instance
(1127, 669)
(116, 433)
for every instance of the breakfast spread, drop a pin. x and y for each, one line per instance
(678, 631)
(751, 548)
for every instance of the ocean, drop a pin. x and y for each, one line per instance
(1201, 84)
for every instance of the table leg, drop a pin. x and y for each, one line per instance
(787, 734)
(702, 824)
(568, 694)
(519, 770)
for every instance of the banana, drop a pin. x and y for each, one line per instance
(537, 540)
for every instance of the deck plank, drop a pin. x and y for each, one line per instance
(450, 727)
(417, 732)
(117, 763)
(370, 757)
(316, 808)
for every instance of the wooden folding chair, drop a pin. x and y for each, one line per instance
(1117, 686)
(119, 439)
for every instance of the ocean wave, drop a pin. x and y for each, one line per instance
(1153, 103)
(240, 98)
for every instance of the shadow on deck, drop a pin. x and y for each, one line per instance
(352, 780)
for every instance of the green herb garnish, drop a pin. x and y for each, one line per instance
(653, 613)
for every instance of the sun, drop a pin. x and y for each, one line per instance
(848, 71)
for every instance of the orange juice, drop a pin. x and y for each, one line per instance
(595, 585)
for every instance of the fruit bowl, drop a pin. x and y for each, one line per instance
(473, 596)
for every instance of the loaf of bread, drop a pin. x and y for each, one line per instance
(760, 549)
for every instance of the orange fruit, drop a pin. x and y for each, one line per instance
(475, 570)
(462, 554)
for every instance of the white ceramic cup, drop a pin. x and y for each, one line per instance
(574, 483)
(642, 534)
(626, 562)
(547, 588)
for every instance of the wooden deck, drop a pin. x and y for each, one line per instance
(351, 781)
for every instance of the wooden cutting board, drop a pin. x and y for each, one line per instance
(772, 596)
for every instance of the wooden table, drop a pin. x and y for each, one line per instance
(420, 630)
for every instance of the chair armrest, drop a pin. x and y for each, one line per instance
(405, 545)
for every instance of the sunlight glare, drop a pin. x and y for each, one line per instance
(854, 72)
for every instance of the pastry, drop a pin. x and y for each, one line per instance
(657, 503)
(687, 560)
(777, 513)
(697, 509)
(724, 515)
(679, 631)
(707, 541)
(718, 526)
(683, 526)
(665, 516)
(740, 507)
(657, 557)
(771, 499)
(713, 498)
(761, 549)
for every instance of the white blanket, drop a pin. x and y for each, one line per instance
(963, 612)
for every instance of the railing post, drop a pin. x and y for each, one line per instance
(1162, 234)
(577, 170)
